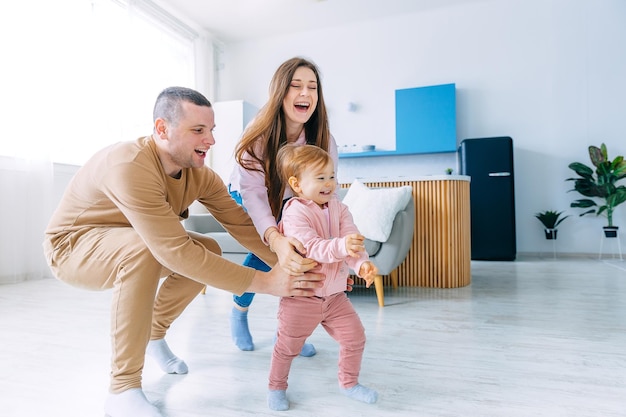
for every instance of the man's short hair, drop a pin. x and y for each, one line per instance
(168, 103)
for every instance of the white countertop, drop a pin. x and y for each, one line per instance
(438, 177)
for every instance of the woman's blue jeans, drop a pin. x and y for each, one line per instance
(244, 300)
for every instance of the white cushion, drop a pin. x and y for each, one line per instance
(374, 209)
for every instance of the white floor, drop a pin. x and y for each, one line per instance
(527, 338)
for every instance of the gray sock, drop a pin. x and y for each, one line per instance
(277, 400)
(361, 393)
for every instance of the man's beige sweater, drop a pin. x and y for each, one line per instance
(125, 185)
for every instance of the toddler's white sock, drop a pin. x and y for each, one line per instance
(167, 361)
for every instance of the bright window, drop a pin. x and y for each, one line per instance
(85, 73)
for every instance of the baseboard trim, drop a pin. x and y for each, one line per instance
(566, 255)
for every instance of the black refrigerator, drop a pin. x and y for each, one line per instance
(489, 163)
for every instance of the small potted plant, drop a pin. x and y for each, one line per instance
(550, 220)
(600, 184)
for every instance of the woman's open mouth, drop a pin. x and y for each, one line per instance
(302, 107)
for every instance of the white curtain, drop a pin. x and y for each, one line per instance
(77, 75)
(28, 118)
(26, 185)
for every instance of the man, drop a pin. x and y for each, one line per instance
(118, 226)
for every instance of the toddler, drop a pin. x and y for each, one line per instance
(323, 224)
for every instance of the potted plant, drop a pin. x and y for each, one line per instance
(600, 184)
(550, 220)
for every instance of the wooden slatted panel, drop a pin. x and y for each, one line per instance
(440, 252)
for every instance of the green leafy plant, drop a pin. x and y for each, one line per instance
(599, 183)
(550, 219)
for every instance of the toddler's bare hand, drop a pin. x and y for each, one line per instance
(368, 272)
(355, 244)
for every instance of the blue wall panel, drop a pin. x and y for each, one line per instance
(426, 119)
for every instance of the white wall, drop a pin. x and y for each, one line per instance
(548, 73)
(231, 119)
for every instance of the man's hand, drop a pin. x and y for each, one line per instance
(368, 272)
(280, 283)
(288, 251)
(355, 244)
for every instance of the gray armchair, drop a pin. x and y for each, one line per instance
(387, 256)
(205, 223)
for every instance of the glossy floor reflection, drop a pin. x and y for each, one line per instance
(527, 338)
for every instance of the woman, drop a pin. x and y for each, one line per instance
(295, 113)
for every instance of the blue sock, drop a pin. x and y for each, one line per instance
(308, 350)
(277, 400)
(361, 393)
(239, 329)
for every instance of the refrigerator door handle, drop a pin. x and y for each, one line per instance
(499, 174)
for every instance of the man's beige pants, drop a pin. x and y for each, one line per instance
(118, 258)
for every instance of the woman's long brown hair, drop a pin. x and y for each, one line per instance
(267, 133)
